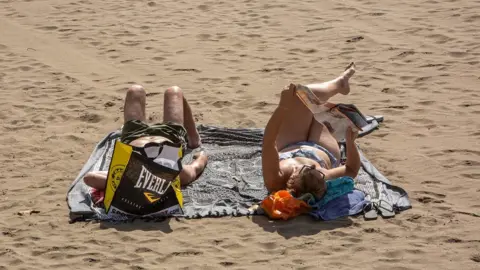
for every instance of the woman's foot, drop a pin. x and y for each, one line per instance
(342, 80)
(326, 90)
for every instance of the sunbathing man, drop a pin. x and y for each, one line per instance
(178, 127)
(299, 153)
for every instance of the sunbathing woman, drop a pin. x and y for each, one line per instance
(298, 153)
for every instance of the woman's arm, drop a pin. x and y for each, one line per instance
(353, 164)
(353, 157)
(270, 158)
(273, 175)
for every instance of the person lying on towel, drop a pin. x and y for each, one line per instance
(178, 127)
(298, 153)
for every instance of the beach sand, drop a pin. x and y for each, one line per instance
(65, 67)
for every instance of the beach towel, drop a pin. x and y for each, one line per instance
(348, 204)
(335, 188)
(232, 181)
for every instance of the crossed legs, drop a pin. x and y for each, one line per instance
(299, 125)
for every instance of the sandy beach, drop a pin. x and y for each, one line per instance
(65, 67)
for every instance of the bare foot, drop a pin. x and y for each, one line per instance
(201, 156)
(342, 81)
(326, 90)
(200, 159)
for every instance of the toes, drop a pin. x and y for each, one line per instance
(352, 64)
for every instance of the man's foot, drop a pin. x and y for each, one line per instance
(200, 156)
(342, 80)
(200, 160)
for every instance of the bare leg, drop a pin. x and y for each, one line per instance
(296, 124)
(134, 108)
(190, 126)
(320, 134)
(299, 124)
(326, 90)
(177, 110)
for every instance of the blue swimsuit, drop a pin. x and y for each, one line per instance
(309, 153)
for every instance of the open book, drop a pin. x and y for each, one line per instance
(336, 117)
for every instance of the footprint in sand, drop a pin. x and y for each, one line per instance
(431, 182)
(226, 263)
(426, 200)
(469, 163)
(355, 39)
(426, 102)
(474, 176)
(267, 245)
(246, 123)
(475, 258)
(438, 195)
(90, 118)
(439, 38)
(25, 68)
(48, 28)
(203, 37)
(203, 7)
(422, 121)
(187, 70)
(222, 103)
(268, 70)
(304, 51)
(318, 29)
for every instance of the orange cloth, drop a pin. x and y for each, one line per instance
(282, 205)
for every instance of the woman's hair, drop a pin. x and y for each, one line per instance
(308, 180)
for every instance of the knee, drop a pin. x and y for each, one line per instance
(174, 91)
(136, 91)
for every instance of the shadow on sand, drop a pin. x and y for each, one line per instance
(300, 226)
(162, 225)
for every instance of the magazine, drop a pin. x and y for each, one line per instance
(336, 117)
(144, 182)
